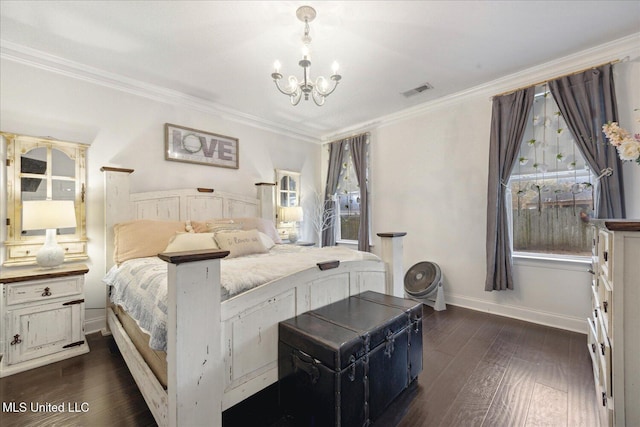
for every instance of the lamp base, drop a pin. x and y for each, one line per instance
(293, 236)
(51, 254)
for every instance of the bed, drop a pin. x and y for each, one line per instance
(221, 346)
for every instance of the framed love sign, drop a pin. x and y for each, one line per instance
(196, 146)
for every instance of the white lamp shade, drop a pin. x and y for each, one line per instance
(48, 214)
(291, 214)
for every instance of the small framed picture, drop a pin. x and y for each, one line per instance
(197, 146)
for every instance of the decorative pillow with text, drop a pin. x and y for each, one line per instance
(240, 243)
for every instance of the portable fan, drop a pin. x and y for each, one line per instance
(423, 282)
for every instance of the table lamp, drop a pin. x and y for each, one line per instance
(49, 215)
(291, 214)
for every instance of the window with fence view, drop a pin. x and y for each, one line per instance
(552, 187)
(348, 198)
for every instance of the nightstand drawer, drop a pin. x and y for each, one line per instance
(606, 307)
(604, 254)
(22, 251)
(43, 290)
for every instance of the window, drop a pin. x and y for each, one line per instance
(552, 187)
(348, 199)
(43, 169)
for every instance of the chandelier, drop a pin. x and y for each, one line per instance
(318, 89)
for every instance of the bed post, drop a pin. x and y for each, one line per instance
(267, 200)
(391, 254)
(194, 352)
(117, 206)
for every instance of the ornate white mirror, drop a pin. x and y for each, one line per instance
(288, 188)
(40, 169)
(289, 211)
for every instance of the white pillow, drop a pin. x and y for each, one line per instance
(240, 243)
(191, 242)
(263, 225)
(266, 240)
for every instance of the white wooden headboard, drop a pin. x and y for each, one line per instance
(192, 204)
(179, 205)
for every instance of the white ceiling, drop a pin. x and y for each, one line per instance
(221, 53)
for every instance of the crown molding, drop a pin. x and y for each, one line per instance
(615, 50)
(45, 61)
(626, 48)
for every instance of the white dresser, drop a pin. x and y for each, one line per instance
(614, 324)
(42, 317)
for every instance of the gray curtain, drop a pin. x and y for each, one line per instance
(359, 155)
(587, 101)
(508, 123)
(336, 153)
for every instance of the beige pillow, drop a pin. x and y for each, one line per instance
(143, 238)
(191, 242)
(264, 225)
(240, 243)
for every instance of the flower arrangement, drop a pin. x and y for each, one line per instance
(628, 146)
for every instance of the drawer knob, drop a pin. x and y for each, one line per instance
(606, 256)
(16, 339)
(591, 271)
(593, 348)
(604, 399)
(605, 304)
(47, 292)
(602, 348)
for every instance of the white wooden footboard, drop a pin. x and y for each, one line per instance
(250, 320)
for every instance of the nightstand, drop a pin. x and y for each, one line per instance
(42, 313)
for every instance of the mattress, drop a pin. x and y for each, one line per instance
(156, 359)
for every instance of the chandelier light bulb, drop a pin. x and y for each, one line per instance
(276, 66)
(305, 51)
(293, 83)
(335, 67)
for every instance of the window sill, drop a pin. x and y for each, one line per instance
(347, 242)
(351, 243)
(578, 259)
(561, 262)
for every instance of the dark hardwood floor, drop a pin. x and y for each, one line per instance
(479, 370)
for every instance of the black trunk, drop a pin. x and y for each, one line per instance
(342, 364)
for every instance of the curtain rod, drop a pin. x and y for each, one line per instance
(350, 136)
(615, 61)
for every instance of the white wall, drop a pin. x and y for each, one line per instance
(127, 130)
(429, 178)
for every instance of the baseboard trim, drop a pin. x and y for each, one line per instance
(95, 324)
(554, 320)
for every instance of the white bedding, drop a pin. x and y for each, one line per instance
(140, 285)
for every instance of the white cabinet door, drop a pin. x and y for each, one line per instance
(43, 330)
